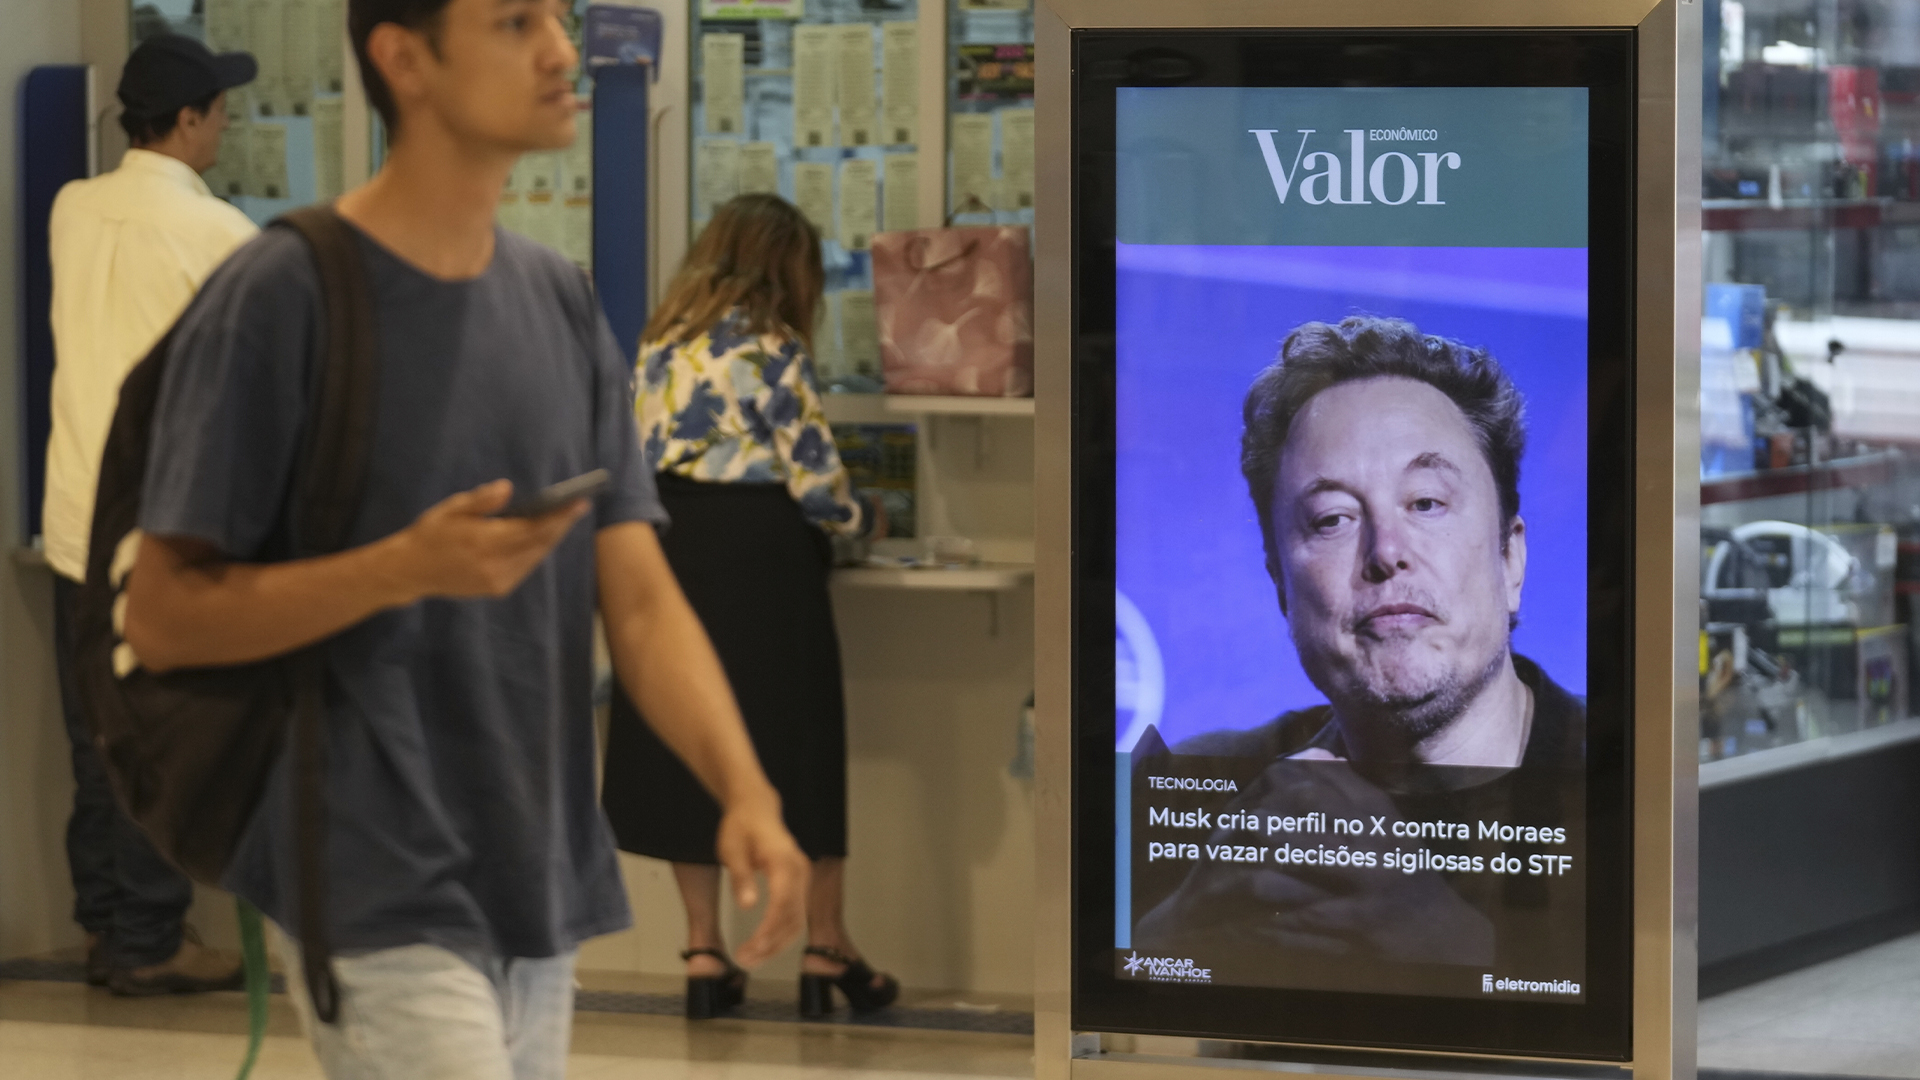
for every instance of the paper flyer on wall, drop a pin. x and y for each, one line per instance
(972, 135)
(859, 203)
(813, 194)
(827, 361)
(853, 67)
(813, 86)
(900, 193)
(1016, 159)
(576, 233)
(759, 168)
(900, 82)
(330, 45)
(859, 334)
(576, 161)
(723, 82)
(267, 160)
(300, 43)
(267, 40)
(229, 176)
(540, 215)
(539, 172)
(716, 170)
(328, 168)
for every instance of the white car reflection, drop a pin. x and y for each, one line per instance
(1809, 576)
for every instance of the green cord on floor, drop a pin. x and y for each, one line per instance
(253, 947)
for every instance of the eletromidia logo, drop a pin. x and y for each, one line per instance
(1491, 985)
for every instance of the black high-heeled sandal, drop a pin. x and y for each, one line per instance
(710, 995)
(856, 982)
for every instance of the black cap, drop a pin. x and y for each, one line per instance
(168, 72)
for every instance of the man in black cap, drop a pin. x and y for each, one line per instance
(129, 250)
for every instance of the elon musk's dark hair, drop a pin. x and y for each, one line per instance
(1316, 356)
(362, 17)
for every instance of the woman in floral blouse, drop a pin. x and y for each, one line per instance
(730, 412)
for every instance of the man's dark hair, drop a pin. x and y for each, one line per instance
(1317, 356)
(142, 129)
(362, 17)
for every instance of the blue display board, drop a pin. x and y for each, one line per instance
(620, 151)
(52, 151)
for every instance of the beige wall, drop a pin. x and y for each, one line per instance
(34, 788)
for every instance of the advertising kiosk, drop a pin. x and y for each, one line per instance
(1367, 350)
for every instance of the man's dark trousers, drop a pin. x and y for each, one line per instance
(124, 890)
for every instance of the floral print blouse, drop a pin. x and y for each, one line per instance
(731, 406)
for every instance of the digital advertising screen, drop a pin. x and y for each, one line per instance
(1367, 707)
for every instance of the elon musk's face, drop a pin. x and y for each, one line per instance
(1398, 591)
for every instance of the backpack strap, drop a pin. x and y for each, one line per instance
(339, 440)
(328, 485)
(583, 308)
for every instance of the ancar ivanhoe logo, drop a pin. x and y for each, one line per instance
(1392, 178)
(1165, 969)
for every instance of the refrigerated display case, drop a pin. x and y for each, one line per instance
(1810, 481)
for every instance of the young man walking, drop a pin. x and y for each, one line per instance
(129, 249)
(467, 856)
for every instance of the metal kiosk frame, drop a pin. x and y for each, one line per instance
(1665, 300)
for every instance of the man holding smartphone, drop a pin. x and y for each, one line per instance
(467, 857)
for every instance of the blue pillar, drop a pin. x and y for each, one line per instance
(53, 150)
(620, 193)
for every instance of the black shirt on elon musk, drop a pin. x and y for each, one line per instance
(1425, 881)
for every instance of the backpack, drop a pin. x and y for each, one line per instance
(189, 752)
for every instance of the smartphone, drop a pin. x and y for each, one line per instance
(549, 499)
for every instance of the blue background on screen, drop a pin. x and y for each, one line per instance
(1195, 324)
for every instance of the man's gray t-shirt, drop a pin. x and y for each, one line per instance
(460, 747)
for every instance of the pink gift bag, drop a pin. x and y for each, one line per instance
(955, 311)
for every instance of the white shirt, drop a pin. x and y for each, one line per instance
(129, 249)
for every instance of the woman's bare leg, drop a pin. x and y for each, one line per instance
(826, 919)
(700, 892)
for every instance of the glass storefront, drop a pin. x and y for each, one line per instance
(1810, 525)
(1810, 395)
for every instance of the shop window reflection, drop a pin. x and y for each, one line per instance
(1810, 372)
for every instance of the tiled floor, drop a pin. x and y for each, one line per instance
(1855, 1016)
(63, 1031)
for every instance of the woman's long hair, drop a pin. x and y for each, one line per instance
(759, 254)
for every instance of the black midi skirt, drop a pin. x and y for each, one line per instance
(755, 571)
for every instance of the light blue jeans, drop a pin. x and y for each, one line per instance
(421, 1012)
